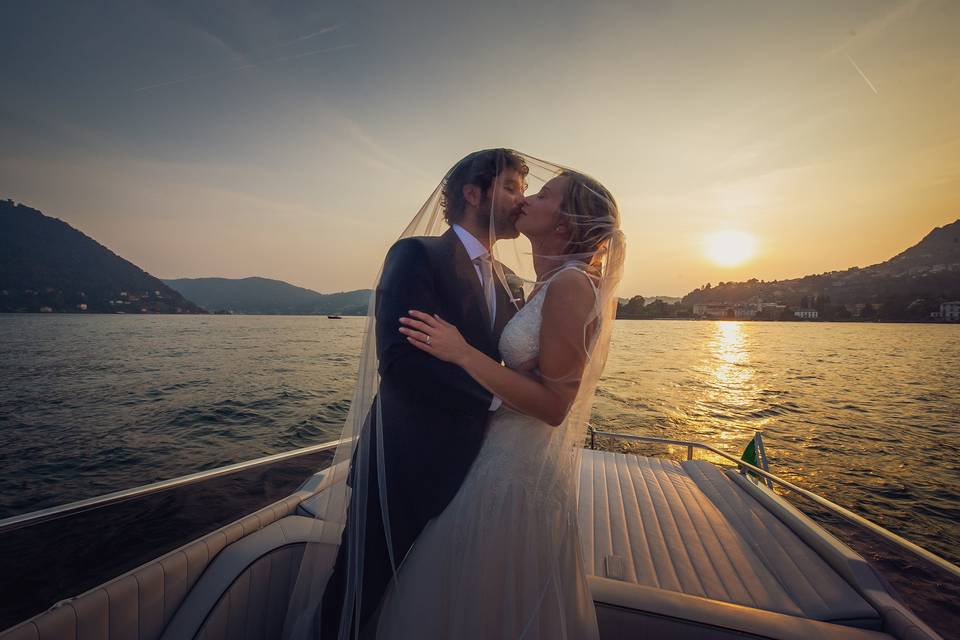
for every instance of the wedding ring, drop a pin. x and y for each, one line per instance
(428, 340)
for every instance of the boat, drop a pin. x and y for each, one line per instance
(335, 317)
(701, 547)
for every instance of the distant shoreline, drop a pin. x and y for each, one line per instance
(342, 316)
(178, 315)
(799, 321)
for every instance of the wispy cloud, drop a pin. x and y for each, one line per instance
(313, 53)
(375, 152)
(862, 74)
(170, 83)
(303, 38)
(248, 28)
(243, 67)
(872, 29)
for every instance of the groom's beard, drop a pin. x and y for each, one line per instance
(504, 225)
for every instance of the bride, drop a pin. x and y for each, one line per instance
(503, 560)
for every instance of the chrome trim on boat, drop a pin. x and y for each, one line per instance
(53, 513)
(762, 455)
(846, 514)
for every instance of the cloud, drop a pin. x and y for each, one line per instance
(871, 30)
(243, 67)
(313, 53)
(242, 27)
(862, 74)
(374, 152)
(308, 36)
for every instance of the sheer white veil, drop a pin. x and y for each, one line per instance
(597, 249)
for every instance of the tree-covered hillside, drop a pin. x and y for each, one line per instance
(47, 265)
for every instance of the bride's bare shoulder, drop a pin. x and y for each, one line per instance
(571, 282)
(570, 291)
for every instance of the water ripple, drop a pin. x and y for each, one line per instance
(92, 404)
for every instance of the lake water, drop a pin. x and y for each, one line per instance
(866, 414)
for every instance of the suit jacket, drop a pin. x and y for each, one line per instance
(434, 414)
(434, 417)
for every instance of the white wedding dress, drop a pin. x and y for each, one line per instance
(503, 560)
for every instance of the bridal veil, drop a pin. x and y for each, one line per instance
(600, 248)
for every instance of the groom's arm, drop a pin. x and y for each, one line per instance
(406, 283)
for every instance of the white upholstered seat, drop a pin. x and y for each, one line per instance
(688, 528)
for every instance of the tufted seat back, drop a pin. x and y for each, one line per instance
(244, 593)
(138, 605)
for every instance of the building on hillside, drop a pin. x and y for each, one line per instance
(755, 309)
(713, 310)
(771, 311)
(745, 311)
(950, 311)
(806, 314)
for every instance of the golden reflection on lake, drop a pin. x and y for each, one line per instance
(732, 374)
(728, 377)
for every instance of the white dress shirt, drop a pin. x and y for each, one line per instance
(475, 249)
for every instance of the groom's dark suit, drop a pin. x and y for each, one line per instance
(434, 414)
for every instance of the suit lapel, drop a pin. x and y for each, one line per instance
(467, 272)
(473, 306)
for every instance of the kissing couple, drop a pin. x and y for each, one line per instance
(488, 330)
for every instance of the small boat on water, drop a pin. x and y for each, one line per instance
(335, 317)
(683, 549)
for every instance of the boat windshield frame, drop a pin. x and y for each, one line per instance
(61, 511)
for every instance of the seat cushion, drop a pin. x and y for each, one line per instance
(627, 610)
(689, 528)
(246, 589)
(138, 604)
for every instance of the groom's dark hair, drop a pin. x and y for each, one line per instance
(479, 168)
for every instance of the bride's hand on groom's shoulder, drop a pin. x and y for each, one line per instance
(436, 336)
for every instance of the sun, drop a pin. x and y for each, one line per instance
(730, 248)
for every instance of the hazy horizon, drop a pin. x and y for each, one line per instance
(295, 143)
(623, 294)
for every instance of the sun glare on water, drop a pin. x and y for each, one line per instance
(730, 248)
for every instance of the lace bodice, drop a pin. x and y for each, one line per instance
(520, 340)
(517, 445)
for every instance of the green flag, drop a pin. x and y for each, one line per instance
(750, 453)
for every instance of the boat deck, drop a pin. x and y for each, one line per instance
(690, 528)
(677, 550)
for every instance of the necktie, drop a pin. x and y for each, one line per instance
(486, 281)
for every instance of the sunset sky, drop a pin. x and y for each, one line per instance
(294, 140)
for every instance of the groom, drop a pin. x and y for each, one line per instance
(433, 414)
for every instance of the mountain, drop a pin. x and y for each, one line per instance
(265, 296)
(47, 265)
(927, 271)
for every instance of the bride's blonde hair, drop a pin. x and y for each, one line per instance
(592, 214)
